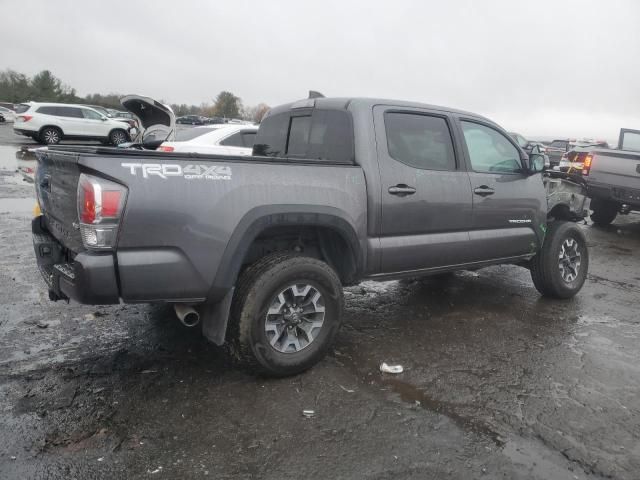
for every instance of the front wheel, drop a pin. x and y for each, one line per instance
(286, 313)
(560, 267)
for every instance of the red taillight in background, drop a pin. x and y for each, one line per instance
(586, 165)
(166, 148)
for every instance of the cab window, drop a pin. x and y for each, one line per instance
(91, 115)
(420, 141)
(234, 140)
(489, 150)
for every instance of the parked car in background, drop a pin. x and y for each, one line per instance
(8, 114)
(192, 120)
(120, 114)
(222, 139)
(613, 177)
(556, 149)
(527, 145)
(114, 114)
(156, 121)
(21, 107)
(49, 123)
(215, 121)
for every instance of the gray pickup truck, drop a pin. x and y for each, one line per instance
(337, 191)
(613, 177)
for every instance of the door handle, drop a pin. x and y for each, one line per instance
(402, 190)
(483, 191)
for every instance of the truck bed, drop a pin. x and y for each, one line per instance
(184, 211)
(615, 175)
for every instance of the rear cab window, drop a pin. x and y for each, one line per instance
(419, 140)
(307, 134)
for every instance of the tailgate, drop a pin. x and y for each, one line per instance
(620, 169)
(56, 187)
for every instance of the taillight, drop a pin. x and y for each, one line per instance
(24, 118)
(586, 166)
(100, 206)
(166, 148)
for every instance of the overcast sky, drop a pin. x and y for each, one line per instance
(543, 68)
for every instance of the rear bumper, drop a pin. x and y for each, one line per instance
(628, 196)
(22, 131)
(88, 278)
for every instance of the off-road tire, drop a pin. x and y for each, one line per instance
(257, 287)
(604, 212)
(545, 269)
(50, 136)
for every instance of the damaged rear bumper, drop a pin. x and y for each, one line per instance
(87, 278)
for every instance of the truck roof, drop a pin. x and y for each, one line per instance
(355, 103)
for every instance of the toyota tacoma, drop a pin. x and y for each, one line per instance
(256, 249)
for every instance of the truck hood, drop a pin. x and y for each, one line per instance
(155, 119)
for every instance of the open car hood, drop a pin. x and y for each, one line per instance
(155, 119)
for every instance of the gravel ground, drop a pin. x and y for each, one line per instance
(498, 382)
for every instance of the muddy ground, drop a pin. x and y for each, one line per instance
(498, 382)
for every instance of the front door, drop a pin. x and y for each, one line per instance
(507, 202)
(426, 195)
(94, 125)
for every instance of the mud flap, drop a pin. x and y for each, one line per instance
(215, 317)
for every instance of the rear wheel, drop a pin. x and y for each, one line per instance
(116, 137)
(50, 136)
(560, 267)
(286, 313)
(604, 212)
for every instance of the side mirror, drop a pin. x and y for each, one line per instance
(537, 162)
(104, 119)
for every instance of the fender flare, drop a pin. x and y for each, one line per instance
(260, 218)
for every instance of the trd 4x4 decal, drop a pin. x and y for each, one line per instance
(189, 172)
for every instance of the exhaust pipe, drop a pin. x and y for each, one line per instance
(187, 315)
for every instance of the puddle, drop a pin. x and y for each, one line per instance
(539, 460)
(17, 164)
(411, 394)
(8, 158)
(16, 205)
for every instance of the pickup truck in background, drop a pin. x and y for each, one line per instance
(613, 178)
(256, 249)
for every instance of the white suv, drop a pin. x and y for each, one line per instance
(49, 123)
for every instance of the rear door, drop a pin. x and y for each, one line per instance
(71, 121)
(426, 195)
(507, 202)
